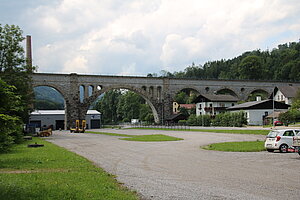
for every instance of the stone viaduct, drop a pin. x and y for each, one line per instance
(158, 92)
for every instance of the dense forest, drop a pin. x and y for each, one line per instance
(280, 64)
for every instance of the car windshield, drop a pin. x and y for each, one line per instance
(272, 134)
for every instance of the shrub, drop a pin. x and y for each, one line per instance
(192, 120)
(182, 122)
(292, 115)
(236, 119)
(10, 132)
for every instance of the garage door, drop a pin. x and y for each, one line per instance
(95, 123)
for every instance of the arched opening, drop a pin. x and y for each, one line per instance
(124, 105)
(81, 93)
(226, 91)
(91, 90)
(258, 95)
(49, 108)
(184, 102)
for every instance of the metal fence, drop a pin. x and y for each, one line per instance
(166, 126)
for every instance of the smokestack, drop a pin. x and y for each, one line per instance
(28, 51)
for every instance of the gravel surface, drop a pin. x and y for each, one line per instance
(182, 170)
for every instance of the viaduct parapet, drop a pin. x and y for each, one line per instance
(158, 92)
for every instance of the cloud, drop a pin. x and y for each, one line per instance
(176, 50)
(76, 64)
(140, 37)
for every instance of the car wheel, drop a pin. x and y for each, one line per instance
(283, 148)
(270, 150)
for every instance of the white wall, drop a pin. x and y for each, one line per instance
(280, 97)
(214, 105)
(51, 119)
(255, 117)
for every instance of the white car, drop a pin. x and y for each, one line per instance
(280, 140)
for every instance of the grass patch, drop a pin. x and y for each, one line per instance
(253, 132)
(251, 146)
(51, 172)
(141, 138)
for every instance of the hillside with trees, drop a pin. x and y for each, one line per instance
(47, 98)
(280, 64)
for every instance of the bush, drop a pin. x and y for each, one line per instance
(10, 132)
(237, 119)
(182, 122)
(292, 115)
(194, 120)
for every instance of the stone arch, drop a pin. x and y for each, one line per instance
(226, 91)
(153, 105)
(64, 107)
(57, 88)
(185, 89)
(251, 95)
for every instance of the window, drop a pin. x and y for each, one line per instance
(266, 113)
(210, 105)
(232, 104)
(288, 133)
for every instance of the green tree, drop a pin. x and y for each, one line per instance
(129, 106)
(181, 97)
(10, 129)
(251, 68)
(13, 68)
(146, 113)
(107, 105)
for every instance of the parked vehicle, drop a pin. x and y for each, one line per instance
(296, 142)
(280, 140)
(278, 123)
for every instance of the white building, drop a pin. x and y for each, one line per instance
(257, 111)
(285, 94)
(214, 104)
(56, 119)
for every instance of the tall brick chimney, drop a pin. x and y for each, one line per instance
(28, 51)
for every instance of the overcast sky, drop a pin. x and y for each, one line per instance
(137, 37)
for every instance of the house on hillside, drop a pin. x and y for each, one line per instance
(56, 119)
(285, 94)
(257, 111)
(214, 104)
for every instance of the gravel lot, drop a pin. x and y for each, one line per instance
(181, 170)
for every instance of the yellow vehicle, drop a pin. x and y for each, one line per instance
(78, 128)
(45, 133)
